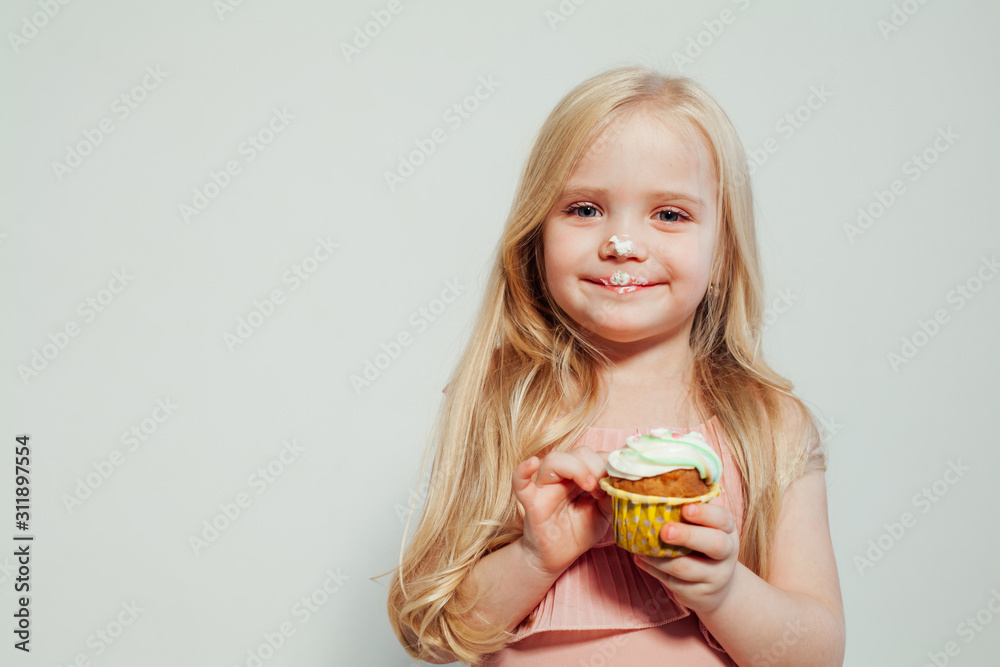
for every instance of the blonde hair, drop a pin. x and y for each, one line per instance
(528, 381)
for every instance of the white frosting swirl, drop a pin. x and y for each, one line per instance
(664, 450)
(622, 247)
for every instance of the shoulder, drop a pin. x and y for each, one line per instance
(800, 434)
(795, 416)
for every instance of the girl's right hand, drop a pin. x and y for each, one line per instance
(565, 510)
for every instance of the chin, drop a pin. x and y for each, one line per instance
(624, 335)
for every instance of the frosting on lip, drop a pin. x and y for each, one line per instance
(624, 281)
(664, 450)
(619, 277)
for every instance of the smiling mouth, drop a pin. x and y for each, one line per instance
(622, 279)
(622, 289)
(622, 282)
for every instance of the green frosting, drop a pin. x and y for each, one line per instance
(691, 458)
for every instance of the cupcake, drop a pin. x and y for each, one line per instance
(651, 478)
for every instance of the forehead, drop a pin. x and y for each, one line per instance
(643, 152)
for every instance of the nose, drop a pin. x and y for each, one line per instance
(622, 246)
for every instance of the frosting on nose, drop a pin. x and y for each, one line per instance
(623, 247)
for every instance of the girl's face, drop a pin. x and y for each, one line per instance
(647, 183)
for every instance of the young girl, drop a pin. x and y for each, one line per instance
(626, 295)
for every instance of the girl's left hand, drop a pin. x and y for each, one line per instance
(699, 581)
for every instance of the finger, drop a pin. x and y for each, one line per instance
(710, 515)
(596, 465)
(712, 542)
(521, 479)
(698, 566)
(559, 466)
(691, 568)
(591, 459)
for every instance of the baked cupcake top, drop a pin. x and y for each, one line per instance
(664, 450)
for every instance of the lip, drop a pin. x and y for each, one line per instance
(621, 289)
(606, 280)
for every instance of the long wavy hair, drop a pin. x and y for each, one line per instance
(529, 382)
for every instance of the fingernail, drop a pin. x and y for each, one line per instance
(672, 532)
(692, 510)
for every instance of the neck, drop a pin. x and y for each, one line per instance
(659, 361)
(650, 381)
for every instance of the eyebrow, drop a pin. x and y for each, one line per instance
(582, 191)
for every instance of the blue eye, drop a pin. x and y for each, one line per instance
(581, 207)
(680, 216)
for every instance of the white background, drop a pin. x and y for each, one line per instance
(335, 507)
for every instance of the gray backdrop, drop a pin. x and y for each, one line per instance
(204, 252)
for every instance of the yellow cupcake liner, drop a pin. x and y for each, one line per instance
(639, 519)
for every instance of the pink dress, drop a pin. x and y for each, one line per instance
(604, 610)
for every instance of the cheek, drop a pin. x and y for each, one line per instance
(692, 257)
(558, 257)
(552, 266)
(686, 258)
(550, 262)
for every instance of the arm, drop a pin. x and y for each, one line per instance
(560, 523)
(510, 585)
(796, 617)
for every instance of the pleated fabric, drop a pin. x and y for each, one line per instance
(604, 610)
